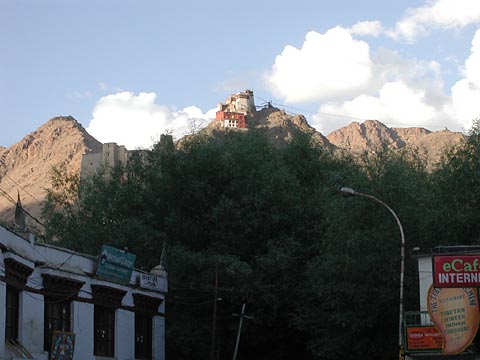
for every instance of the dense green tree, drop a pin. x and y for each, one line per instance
(350, 299)
(318, 272)
(455, 211)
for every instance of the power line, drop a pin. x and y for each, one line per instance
(4, 173)
(188, 303)
(344, 116)
(9, 198)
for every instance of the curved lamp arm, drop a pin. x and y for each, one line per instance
(350, 192)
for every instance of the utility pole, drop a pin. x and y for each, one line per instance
(241, 316)
(214, 323)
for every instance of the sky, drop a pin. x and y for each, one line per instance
(131, 70)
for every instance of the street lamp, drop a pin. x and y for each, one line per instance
(350, 192)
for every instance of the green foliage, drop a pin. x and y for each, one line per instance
(455, 215)
(320, 273)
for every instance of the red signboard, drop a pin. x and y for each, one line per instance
(456, 271)
(423, 338)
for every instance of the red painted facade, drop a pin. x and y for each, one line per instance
(238, 118)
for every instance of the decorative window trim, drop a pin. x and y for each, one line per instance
(107, 296)
(146, 304)
(61, 287)
(16, 273)
(59, 292)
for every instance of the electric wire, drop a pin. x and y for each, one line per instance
(6, 196)
(187, 303)
(343, 116)
(4, 173)
(26, 212)
(61, 296)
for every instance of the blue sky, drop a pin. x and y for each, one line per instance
(131, 70)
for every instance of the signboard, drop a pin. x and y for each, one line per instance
(63, 344)
(455, 313)
(115, 264)
(420, 338)
(151, 282)
(456, 271)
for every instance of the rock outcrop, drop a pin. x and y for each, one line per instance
(372, 135)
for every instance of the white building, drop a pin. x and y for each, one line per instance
(45, 288)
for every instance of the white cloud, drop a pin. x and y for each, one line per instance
(397, 104)
(392, 89)
(466, 92)
(445, 14)
(328, 66)
(410, 93)
(472, 64)
(136, 121)
(373, 28)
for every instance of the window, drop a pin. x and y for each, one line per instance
(106, 300)
(104, 331)
(143, 336)
(11, 314)
(59, 292)
(146, 307)
(57, 317)
(16, 275)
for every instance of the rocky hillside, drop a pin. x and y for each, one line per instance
(26, 166)
(373, 134)
(278, 125)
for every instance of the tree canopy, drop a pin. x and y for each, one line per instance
(319, 273)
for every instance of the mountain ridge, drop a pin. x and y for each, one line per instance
(61, 141)
(26, 165)
(373, 134)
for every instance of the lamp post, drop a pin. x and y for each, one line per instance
(350, 192)
(214, 321)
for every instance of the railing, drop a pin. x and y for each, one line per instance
(417, 318)
(421, 336)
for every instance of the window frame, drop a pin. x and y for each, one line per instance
(104, 320)
(58, 313)
(143, 336)
(12, 313)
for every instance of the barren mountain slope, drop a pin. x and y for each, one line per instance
(431, 145)
(373, 134)
(26, 166)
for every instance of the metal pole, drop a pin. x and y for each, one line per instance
(214, 323)
(239, 332)
(351, 192)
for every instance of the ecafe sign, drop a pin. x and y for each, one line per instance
(456, 271)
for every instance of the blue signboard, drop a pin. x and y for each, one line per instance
(115, 264)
